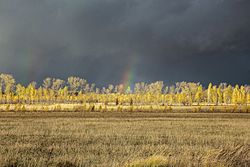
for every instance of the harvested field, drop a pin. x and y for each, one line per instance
(124, 139)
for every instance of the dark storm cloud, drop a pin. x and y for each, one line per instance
(170, 40)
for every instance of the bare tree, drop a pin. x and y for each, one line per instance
(7, 83)
(57, 84)
(47, 83)
(76, 84)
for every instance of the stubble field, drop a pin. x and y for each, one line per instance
(124, 139)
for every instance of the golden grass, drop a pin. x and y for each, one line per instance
(237, 155)
(69, 139)
(153, 161)
(99, 107)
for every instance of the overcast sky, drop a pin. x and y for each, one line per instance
(170, 40)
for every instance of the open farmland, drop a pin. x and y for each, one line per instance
(124, 139)
(124, 83)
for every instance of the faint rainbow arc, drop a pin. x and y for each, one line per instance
(129, 74)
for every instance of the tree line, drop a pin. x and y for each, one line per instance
(78, 90)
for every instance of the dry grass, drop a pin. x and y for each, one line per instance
(123, 139)
(153, 161)
(98, 107)
(236, 155)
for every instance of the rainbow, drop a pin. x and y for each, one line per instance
(33, 64)
(129, 74)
